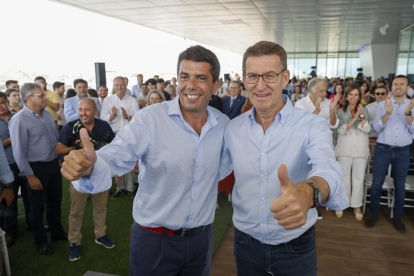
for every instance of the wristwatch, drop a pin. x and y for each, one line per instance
(317, 195)
(361, 116)
(126, 117)
(8, 186)
(408, 113)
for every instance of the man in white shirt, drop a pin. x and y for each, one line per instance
(118, 111)
(381, 93)
(102, 93)
(136, 89)
(317, 103)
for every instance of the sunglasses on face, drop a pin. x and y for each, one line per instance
(382, 94)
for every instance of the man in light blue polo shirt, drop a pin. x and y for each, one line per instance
(71, 104)
(284, 166)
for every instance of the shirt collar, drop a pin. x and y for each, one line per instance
(394, 101)
(283, 114)
(11, 116)
(29, 111)
(174, 109)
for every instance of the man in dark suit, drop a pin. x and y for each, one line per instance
(215, 102)
(232, 105)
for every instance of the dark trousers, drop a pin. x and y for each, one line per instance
(51, 196)
(9, 215)
(297, 257)
(400, 163)
(162, 254)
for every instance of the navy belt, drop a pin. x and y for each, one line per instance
(393, 147)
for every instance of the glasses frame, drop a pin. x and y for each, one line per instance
(39, 95)
(380, 94)
(258, 78)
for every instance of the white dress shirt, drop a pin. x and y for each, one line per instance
(130, 105)
(306, 103)
(371, 109)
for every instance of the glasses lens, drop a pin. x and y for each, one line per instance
(270, 77)
(382, 94)
(252, 78)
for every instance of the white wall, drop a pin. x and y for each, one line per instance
(384, 58)
(378, 60)
(365, 57)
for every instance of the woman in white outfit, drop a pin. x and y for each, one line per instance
(352, 148)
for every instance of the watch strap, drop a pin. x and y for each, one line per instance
(315, 194)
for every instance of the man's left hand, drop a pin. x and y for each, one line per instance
(8, 194)
(410, 106)
(124, 114)
(291, 208)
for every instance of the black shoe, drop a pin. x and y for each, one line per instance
(45, 249)
(10, 240)
(369, 223)
(63, 236)
(117, 194)
(398, 224)
(46, 228)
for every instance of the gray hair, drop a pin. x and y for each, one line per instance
(28, 89)
(313, 83)
(89, 99)
(119, 77)
(236, 82)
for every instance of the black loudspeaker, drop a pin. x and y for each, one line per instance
(226, 77)
(100, 74)
(391, 77)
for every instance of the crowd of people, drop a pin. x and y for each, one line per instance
(161, 128)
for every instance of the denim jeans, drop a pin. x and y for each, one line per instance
(9, 215)
(297, 257)
(400, 162)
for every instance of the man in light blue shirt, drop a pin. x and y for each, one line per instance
(394, 122)
(284, 166)
(136, 89)
(175, 204)
(71, 104)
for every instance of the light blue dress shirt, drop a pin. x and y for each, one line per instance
(396, 132)
(300, 140)
(179, 170)
(34, 139)
(6, 175)
(4, 134)
(71, 108)
(136, 90)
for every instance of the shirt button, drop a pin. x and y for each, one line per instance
(192, 217)
(263, 153)
(264, 240)
(264, 176)
(260, 132)
(198, 161)
(263, 221)
(262, 199)
(195, 198)
(196, 180)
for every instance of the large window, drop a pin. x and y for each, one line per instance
(327, 64)
(405, 59)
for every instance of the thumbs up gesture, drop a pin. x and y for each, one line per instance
(80, 162)
(291, 208)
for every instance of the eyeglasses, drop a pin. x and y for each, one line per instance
(382, 94)
(234, 88)
(40, 95)
(267, 78)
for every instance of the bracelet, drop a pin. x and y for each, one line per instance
(389, 114)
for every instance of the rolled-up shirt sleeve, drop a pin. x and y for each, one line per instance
(379, 113)
(322, 159)
(6, 175)
(71, 112)
(19, 139)
(119, 157)
(226, 165)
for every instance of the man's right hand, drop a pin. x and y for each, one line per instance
(34, 183)
(80, 162)
(114, 113)
(388, 106)
(318, 105)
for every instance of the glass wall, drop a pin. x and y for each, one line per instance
(327, 64)
(405, 60)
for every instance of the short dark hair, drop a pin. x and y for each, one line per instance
(92, 93)
(152, 81)
(156, 76)
(11, 82)
(3, 95)
(265, 48)
(104, 86)
(57, 84)
(160, 81)
(200, 54)
(402, 77)
(9, 91)
(381, 87)
(75, 82)
(70, 93)
(40, 78)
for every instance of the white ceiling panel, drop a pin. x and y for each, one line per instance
(299, 25)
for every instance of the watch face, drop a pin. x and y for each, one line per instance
(319, 197)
